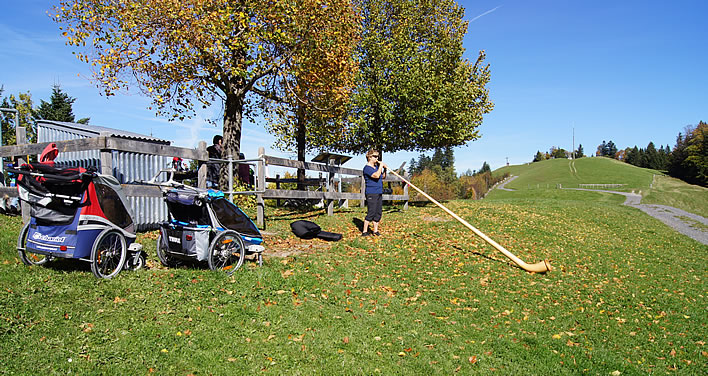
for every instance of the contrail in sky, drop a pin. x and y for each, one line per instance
(484, 14)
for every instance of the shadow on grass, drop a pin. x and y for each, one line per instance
(490, 258)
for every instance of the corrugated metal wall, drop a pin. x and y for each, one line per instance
(148, 212)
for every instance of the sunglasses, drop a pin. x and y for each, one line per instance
(374, 156)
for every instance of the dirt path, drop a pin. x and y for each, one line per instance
(689, 224)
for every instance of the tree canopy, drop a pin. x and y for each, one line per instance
(308, 113)
(192, 53)
(414, 89)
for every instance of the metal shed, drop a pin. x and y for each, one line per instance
(127, 167)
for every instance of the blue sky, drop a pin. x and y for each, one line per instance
(627, 71)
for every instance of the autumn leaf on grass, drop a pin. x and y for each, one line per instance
(287, 273)
(118, 300)
(472, 359)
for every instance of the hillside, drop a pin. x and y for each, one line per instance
(570, 174)
(651, 184)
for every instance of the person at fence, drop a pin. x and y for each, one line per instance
(374, 174)
(214, 168)
(245, 174)
(177, 164)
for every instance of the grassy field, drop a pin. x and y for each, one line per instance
(627, 296)
(674, 192)
(570, 174)
(655, 187)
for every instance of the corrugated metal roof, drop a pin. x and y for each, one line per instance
(95, 131)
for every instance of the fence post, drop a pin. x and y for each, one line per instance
(405, 193)
(260, 187)
(106, 157)
(202, 172)
(330, 187)
(363, 192)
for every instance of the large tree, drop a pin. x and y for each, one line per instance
(415, 91)
(59, 108)
(307, 112)
(197, 52)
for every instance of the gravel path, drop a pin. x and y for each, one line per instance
(689, 224)
(502, 184)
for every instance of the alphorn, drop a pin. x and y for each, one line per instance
(539, 267)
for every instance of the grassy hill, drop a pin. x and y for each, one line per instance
(654, 186)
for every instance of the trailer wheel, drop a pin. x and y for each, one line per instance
(165, 258)
(226, 252)
(108, 254)
(29, 258)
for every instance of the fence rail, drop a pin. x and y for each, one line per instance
(595, 186)
(106, 144)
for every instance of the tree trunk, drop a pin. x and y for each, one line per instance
(233, 122)
(301, 143)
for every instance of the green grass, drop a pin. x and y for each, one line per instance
(570, 174)
(654, 187)
(428, 297)
(674, 192)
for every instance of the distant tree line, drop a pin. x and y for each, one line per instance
(651, 157)
(557, 152)
(436, 176)
(687, 161)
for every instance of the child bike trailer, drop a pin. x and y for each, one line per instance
(205, 226)
(76, 213)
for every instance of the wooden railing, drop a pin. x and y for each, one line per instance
(330, 196)
(106, 144)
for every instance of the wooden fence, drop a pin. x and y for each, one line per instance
(106, 144)
(330, 195)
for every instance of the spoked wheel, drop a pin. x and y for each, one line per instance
(227, 252)
(29, 258)
(135, 262)
(162, 254)
(108, 254)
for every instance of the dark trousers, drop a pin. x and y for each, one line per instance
(374, 204)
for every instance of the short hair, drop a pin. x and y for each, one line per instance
(370, 153)
(216, 139)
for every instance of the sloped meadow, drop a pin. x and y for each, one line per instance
(627, 295)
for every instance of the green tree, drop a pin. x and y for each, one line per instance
(539, 156)
(689, 158)
(557, 152)
(24, 105)
(241, 53)
(579, 153)
(485, 168)
(652, 157)
(59, 108)
(415, 91)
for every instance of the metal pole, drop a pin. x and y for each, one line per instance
(231, 179)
